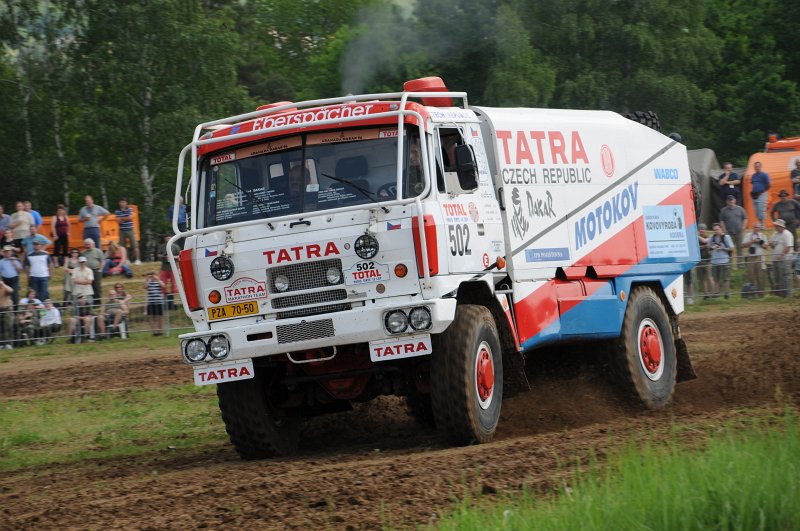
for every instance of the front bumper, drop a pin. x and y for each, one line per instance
(359, 325)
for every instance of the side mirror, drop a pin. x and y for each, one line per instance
(466, 168)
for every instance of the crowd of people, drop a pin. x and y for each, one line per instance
(771, 262)
(82, 311)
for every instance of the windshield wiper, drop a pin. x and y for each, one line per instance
(252, 198)
(364, 191)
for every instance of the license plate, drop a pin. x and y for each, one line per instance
(229, 311)
(401, 347)
(226, 371)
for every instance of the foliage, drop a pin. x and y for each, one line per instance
(100, 95)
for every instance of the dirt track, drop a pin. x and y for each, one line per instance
(374, 466)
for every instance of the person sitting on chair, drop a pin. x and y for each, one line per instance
(50, 323)
(83, 314)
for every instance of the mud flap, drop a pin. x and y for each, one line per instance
(515, 380)
(685, 369)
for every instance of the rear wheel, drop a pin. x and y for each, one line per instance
(256, 426)
(645, 352)
(467, 377)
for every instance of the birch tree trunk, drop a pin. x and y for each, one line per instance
(146, 176)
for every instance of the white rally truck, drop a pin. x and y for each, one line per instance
(409, 244)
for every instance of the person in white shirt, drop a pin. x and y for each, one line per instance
(50, 322)
(755, 242)
(782, 244)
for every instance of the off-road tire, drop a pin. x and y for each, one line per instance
(455, 398)
(256, 428)
(648, 118)
(418, 407)
(645, 327)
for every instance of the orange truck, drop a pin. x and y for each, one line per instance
(778, 159)
(109, 229)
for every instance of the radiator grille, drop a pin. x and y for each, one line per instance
(317, 297)
(305, 331)
(308, 275)
(316, 310)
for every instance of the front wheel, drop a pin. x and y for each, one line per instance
(256, 426)
(645, 352)
(467, 377)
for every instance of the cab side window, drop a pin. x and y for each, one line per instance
(446, 177)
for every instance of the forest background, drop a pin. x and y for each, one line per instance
(99, 96)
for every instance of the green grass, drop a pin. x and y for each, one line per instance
(137, 341)
(746, 477)
(60, 430)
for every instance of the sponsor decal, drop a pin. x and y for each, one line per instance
(394, 226)
(221, 159)
(393, 349)
(223, 372)
(316, 115)
(536, 208)
(387, 133)
(497, 246)
(665, 231)
(455, 213)
(473, 212)
(301, 252)
(245, 289)
(366, 272)
(666, 174)
(486, 260)
(607, 160)
(209, 252)
(542, 147)
(547, 254)
(606, 215)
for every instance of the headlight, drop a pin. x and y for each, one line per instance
(420, 318)
(333, 275)
(281, 283)
(195, 350)
(366, 246)
(218, 347)
(222, 268)
(396, 322)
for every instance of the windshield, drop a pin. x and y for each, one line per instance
(309, 173)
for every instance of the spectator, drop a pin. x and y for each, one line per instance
(50, 322)
(126, 232)
(8, 241)
(94, 261)
(734, 220)
(21, 222)
(117, 261)
(70, 264)
(28, 241)
(37, 218)
(28, 322)
(6, 316)
(82, 279)
(155, 302)
(795, 177)
(788, 210)
(782, 245)
(167, 276)
(39, 267)
(730, 183)
(117, 306)
(83, 314)
(755, 242)
(5, 220)
(92, 216)
(721, 247)
(705, 260)
(30, 298)
(10, 266)
(181, 214)
(59, 229)
(759, 184)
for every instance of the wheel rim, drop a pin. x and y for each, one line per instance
(484, 375)
(651, 349)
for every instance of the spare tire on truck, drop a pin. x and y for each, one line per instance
(648, 118)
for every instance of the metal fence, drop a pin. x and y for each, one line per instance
(749, 279)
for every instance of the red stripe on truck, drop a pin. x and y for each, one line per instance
(186, 265)
(430, 244)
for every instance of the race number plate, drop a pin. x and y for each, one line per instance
(401, 347)
(230, 311)
(226, 371)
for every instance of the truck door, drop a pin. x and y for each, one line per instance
(472, 223)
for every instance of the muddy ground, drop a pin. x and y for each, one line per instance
(374, 466)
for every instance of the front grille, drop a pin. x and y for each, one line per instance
(306, 299)
(316, 310)
(305, 331)
(308, 275)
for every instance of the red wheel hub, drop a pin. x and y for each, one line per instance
(484, 373)
(650, 348)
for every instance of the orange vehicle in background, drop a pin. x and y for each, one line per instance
(778, 160)
(109, 229)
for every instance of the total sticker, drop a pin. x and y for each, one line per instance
(366, 272)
